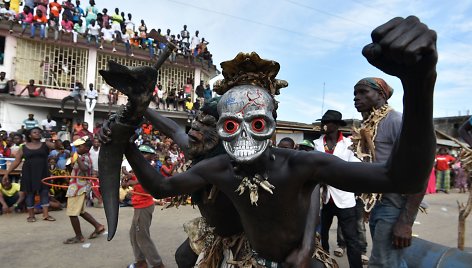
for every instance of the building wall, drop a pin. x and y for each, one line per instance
(9, 55)
(450, 125)
(66, 63)
(297, 137)
(12, 115)
(69, 63)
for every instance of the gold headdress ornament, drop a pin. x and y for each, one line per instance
(250, 69)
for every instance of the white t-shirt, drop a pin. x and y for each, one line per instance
(3, 83)
(341, 199)
(160, 93)
(125, 37)
(91, 94)
(105, 89)
(195, 41)
(93, 30)
(126, 164)
(8, 13)
(48, 125)
(94, 157)
(108, 34)
(129, 25)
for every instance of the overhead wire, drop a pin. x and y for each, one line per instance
(255, 22)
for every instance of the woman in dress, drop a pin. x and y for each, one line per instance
(35, 168)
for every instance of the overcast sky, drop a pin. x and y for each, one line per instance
(318, 44)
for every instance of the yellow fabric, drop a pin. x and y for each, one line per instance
(189, 105)
(124, 192)
(15, 187)
(15, 5)
(75, 205)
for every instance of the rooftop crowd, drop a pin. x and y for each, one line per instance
(69, 21)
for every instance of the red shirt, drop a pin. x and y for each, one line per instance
(165, 170)
(55, 9)
(443, 160)
(84, 132)
(5, 151)
(142, 199)
(147, 129)
(41, 19)
(67, 25)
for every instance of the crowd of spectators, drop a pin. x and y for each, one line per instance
(72, 21)
(166, 158)
(173, 97)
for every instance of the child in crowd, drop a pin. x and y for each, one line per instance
(168, 168)
(77, 191)
(11, 198)
(25, 18)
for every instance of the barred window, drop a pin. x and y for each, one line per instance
(54, 65)
(165, 75)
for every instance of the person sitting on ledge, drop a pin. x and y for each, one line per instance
(74, 95)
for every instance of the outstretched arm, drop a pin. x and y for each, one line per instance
(19, 94)
(465, 131)
(405, 48)
(158, 185)
(168, 127)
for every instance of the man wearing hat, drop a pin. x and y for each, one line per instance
(393, 214)
(76, 193)
(144, 249)
(306, 145)
(337, 202)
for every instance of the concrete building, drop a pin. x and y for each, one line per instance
(23, 58)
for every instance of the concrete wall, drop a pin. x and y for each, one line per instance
(12, 115)
(297, 137)
(10, 52)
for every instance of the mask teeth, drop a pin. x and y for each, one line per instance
(243, 153)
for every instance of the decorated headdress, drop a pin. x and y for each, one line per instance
(250, 69)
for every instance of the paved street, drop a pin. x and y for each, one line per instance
(39, 244)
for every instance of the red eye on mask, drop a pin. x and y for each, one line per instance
(258, 125)
(231, 126)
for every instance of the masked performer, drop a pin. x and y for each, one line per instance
(271, 187)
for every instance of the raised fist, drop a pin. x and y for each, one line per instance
(403, 48)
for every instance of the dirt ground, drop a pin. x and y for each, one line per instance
(39, 244)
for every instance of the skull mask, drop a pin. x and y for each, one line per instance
(246, 122)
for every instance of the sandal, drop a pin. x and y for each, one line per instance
(96, 233)
(74, 240)
(49, 218)
(339, 252)
(31, 219)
